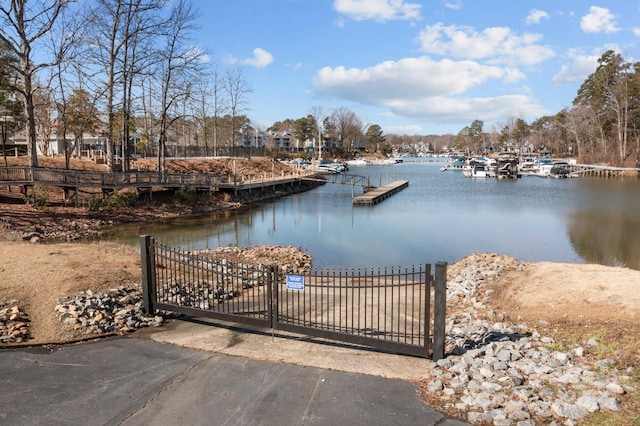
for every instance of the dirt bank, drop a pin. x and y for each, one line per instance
(35, 276)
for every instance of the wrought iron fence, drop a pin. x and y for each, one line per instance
(399, 310)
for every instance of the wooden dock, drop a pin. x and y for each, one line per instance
(72, 181)
(379, 194)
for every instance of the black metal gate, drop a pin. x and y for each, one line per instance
(400, 310)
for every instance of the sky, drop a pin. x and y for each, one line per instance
(415, 66)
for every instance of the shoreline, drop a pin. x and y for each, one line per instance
(56, 223)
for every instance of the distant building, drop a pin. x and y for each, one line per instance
(56, 144)
(284, 141)
(252, 139)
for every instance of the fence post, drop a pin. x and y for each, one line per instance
(272, 297)
(427, 308)
(439, 310)
(147, 253)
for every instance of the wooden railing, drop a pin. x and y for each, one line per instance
(114, 180)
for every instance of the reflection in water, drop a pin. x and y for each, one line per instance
(600, 237)
(439, 217)
(192, 233)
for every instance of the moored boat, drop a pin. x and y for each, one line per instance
(559, 170)
(476, 170)
(329, 166)
(507, 166)
(357, 162)
(454, 165)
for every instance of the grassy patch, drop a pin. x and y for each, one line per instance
(116, 201)
(616, 341)
(185, 196)
(36, 196)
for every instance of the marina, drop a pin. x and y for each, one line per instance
(512, 166)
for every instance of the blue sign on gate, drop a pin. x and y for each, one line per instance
(295, 282)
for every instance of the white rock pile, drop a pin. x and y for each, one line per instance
(65, 230)
(508, 374)
(119, 310)
(290, 260)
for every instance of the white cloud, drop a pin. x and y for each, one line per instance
(599, 20)
(513, 75)
(535, 16)
(261, 58)
(456, 110)
(582, 64)
(378, 10)
(577, 70)
(408, 78)
(411, 129)
(636, 31)
(424, 89)
(495, 44)
(455, 5)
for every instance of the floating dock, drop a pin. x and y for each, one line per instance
(377, 195)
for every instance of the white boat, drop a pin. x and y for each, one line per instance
(382, 161)
(529, 165)
(453, 165)
(329, 166)
(357, 162)
(557, 169)
(476, 170)
(560, 170)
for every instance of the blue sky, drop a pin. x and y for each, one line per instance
(415, 67)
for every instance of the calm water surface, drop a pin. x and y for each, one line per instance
(441, 216)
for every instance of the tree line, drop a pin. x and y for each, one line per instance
(111, 67)
(602, 124)
(351, 133)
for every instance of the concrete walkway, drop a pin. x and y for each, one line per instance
(193, 373)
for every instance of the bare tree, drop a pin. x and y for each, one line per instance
(587, 129)
(44, 116)
(179, 63)
(64, 45)
(317, 114)
(347, 125)
(236, 89)
(120, 31)
(200, 110)
(148, 118)
(220, 106)
(141, 23)
(106, 22)
(23, 25)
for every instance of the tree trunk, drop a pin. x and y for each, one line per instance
(32, 148)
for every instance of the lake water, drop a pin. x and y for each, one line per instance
(441, 216)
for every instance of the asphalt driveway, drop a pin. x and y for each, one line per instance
(137, 381)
